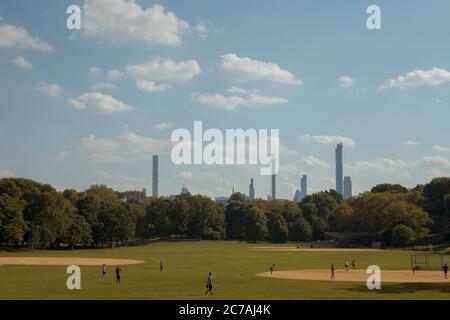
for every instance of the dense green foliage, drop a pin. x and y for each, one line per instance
(38, 216)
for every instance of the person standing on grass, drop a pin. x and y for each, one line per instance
(346, 264)
(445, 268)
(161, 266)
(332, 272)
(354, 263)
(209, 284)
(103, 270)
(118, 270)
(271, 267)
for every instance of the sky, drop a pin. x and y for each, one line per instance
(91, 106)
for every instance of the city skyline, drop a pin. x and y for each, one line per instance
(93, 106)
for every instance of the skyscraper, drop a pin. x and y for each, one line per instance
(303, 186)
(339, 169)
(251, 190)
(274, 187)
(155, 177)
(347, 187)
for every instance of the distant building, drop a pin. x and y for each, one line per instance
(297, 196)
(184, 190)
(251, 190)
(274, 187)
(347, 187)
(222, 200)
(339, 169)
(304, 186)
(155, 177)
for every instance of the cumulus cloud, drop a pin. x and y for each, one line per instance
(115, 75)
(159, 69)
(346, 82)
(433, 77)
(239, 69)
(18, 38)
(323, 139)
(150, 86)
(314, 162)
(433, 160)
(99, 103)
(440, 148)
(129, 146)
(410, 143)
(21, 62)
(103, 86)
(238, 98)
(378, 164)
(126, 20)
(163, 126)
(95, 71)
(49, 89)
(120, 181)
(186, 175)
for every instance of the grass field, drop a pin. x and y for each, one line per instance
(233, 265)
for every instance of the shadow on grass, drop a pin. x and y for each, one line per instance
(399, 288)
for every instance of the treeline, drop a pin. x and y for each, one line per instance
(36, 215)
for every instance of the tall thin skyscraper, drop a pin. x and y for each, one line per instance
(155, 177)
(348, 187)
(251, 190)
(274, 187)
(339, 169)
(303, 186)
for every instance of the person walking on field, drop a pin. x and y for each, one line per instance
(209, 284)
(118, 270)
(354, 263)
(445, 268)
(346, 264)
(332, 272)
(271, 267)
(161, 266)
(103, 270)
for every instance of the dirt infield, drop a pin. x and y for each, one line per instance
(43, 261)
(292, 249)
(399, 276)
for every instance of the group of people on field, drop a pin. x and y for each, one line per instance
(118, 270)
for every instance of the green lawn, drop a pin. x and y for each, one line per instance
(233, 266)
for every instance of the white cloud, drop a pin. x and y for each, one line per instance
(314, 162)
(239, 98)
(99, 103)
(160, 69)
(410, 143)
(62, 155)
(21, 62)
(186, 175)
(150, 86)
(163, 126)
(145, 146)
(440, 148)
(115, 75)
(433, 77)
(346, 82)
(101, 150)
(433, 160)
(103, 86)
(6, 174)
(348, 142)
(239, 69)
(95, 72)
(378, 164)
(18, 37)
(120, 181)
(123, 21)
(49, 89)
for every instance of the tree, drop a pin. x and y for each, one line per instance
(12, 224)
(255, 225)
(437, 195)
(79, 232)
(300, 230)
(402, 235)
(387, 187)
(279, 231)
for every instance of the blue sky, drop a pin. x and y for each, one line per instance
(66, 119)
